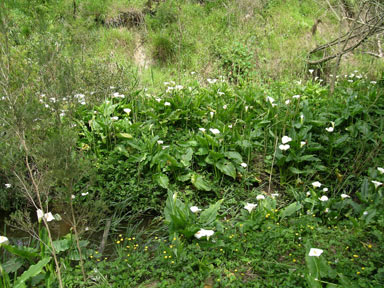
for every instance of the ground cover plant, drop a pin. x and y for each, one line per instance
(207, 168)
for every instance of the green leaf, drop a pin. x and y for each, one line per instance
(234, 155)
(295, 170)
(162, 180)
(124, 135)
(308, 158)
(345, 282)
(184, 178)
(61, 245)
(213, 157)
(208, 216)
(12, 265)
(24, 252)
(32, 271)
(312, 282)
(290, 210)
(244, 143)
(341, 140)
(227, 168)
(187, 157)
(199, 182)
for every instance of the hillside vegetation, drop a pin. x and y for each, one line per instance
(189, 144)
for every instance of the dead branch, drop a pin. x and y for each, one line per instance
(364, 32)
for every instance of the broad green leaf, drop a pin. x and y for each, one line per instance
(341, 140)
(162, 180)
(61, 245)
(202, 151)
(227, 168)
(209, 215)
(312, 282)
(295, 170)
(234, 155)
(199, 182)
(184, 178)
(24, 252)
(12, 265)
(244, 143)
(32, 271)
(213, 157)
(187, 157)
(290, 210)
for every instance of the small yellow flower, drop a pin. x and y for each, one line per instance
(171, 246)
(105, 258)
(129, 239)
(236, 249)
(369, 246)
(173, 262)
(117, 242)
(122, 239)
(294, 260)
(362, 268)
(128, 255)
(356, 256)
(96, 252)
(91, 256)
(165, 252)
(128, 246)
(241, 225)
(120, 235)
(235, 270)
(98, 260)
(156, 238)
(358, 272)
(133, 238)
(174, 239)
(165, 257)
(169, 257)
(299, 245)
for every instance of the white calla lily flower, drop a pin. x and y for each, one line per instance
(195, 209)
(250, 207)
(204, 233)
(315, 252)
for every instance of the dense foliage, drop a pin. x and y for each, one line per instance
(201, 174)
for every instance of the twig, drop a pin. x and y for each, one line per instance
(271, 172)
(105, 235)
(333, 10)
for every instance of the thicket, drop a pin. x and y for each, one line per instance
(279, 166)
